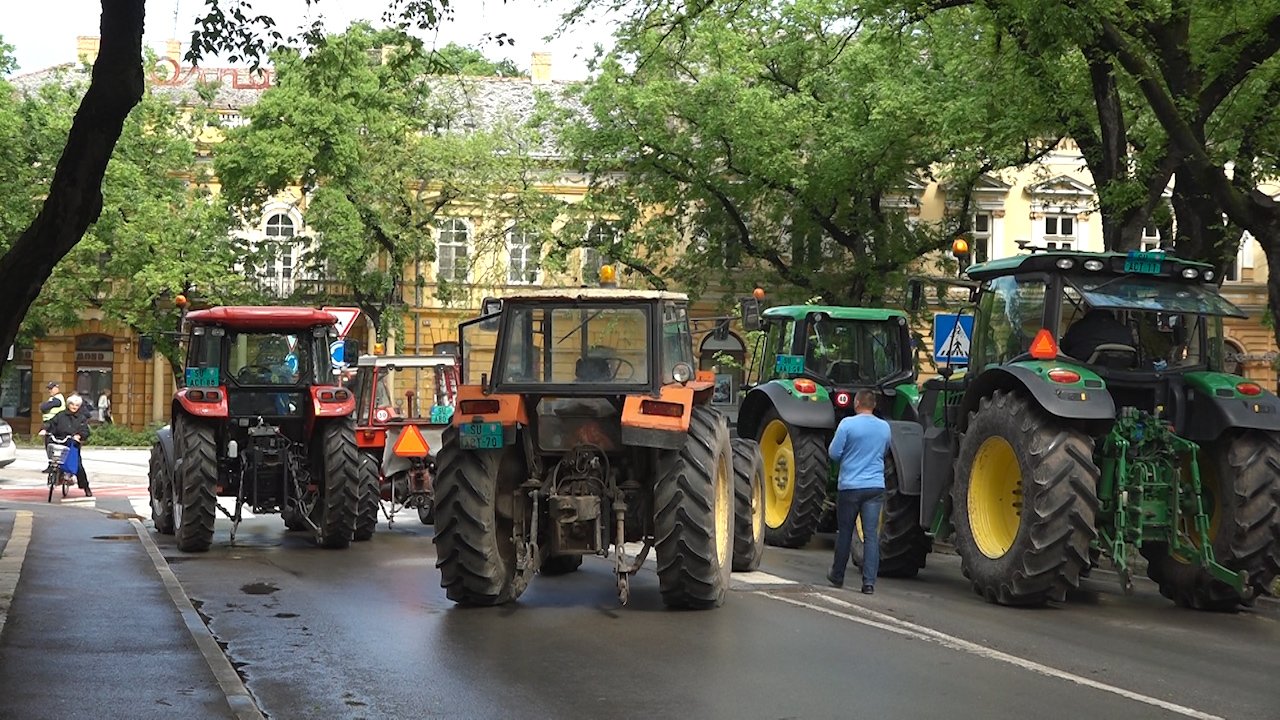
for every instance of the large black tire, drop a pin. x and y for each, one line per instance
(474, 548)
(160, 486)
(748, 505)
(693, 515)
(904, 545)
(796, 471)
(559, 564)
(1241, 475)
(196, 501)
(370, 492)
(337, 473)
(1024, 502)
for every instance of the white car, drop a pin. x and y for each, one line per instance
(8, 451)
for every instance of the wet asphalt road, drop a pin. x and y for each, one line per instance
(367, 633)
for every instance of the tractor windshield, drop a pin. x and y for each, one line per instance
(1153, 294)
(587, 343)
(852, 352)
(266, 358)
(411, 393)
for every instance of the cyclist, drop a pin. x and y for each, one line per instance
(75, 425)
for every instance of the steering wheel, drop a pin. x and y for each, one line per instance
(615, 366)
(255, 373)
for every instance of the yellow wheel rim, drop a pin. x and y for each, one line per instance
(779, 473)
(724, 508)
(995, 497)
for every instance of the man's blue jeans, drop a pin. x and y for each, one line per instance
(849, 505)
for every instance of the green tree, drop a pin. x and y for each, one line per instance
(383, 150)
(779, 142)
(72, 199)
(461, 60)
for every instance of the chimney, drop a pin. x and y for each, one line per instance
(87, 48)
(173, 50)
(540, 72)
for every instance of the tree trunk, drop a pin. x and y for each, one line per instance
(75, 196)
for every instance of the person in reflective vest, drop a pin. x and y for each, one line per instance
(54, 405)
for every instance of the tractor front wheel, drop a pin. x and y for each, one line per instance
(370, 492)
(693, 515)
(160, 482)
(1242, 497)
(195, 498)
(338, 475)
(748, 505)
(1024, 502)
(475, 517)
(796, 473)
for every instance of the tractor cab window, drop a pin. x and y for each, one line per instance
(677, 341)
(1011, 313)
(264, 358)
(593, 344)
(851, 352)
(777, 343)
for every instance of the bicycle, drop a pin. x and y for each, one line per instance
(57, 450)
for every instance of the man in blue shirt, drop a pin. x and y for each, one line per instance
(859, 448)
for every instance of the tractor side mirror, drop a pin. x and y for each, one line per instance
(750, 314)
(490, 306)
(915, 294)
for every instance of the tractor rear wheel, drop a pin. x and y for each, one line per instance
(748, 505)
(475, 518)
(904, 545)
(693, 515)
(196, 493)
(1024, 502)
(796, 472)
(1239, 477)
(370, 492)
(338, 475)
(160, 482)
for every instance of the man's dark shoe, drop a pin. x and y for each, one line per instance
(834, 582)
(868, 589)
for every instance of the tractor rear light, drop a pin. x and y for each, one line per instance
(369, 434)
(326, 396)
(843, 399)
(805, 386)
(212, 396)
(1248, 388)
(1062, 375)
(1044, 347)
(658, 407)
(479, 407)
(341, 395)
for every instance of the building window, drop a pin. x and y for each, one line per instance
(277, 276)
(525, 249)
(15, 390)
(453, 242)
(981, 237)
(1150, 239)
(1232, 272)
(1060, 232)
(595, 251)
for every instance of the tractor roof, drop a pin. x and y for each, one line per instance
(837, 312)
(592, 294)
(241, 317)
(1112, 263)
(407, 361)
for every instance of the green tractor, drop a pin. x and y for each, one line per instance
(806, 368)
(1095, 420)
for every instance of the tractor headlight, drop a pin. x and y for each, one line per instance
(1190, 273)
(1208, 276)
(681, 372)
(1093, 265)
(1065, 263)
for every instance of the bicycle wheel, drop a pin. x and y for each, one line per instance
(65, 486)
(53, 478)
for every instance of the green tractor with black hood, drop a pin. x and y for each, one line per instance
(807, 366)
(1095, 420)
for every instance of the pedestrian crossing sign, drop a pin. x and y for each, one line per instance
(951, 336)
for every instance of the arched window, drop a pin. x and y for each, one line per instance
(1232, 357)
(281, 267)
(726, 357)
(95, 358)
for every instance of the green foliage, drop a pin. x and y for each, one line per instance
(461, 60)
(785, 143)
(122, 436)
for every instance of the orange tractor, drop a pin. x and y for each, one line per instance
(402, 404)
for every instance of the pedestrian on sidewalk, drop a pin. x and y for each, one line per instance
(104, 407)
(859, 449)
(75, 424)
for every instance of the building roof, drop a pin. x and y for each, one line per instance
(837, 312)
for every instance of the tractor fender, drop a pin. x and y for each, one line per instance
(906, 446)
(793, 410)
(1209, 416)
(1093, 406)
(164, 438)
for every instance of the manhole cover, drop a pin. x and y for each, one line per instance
(115, 537)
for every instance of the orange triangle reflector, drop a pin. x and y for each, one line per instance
(1044, 347)
(410, 443)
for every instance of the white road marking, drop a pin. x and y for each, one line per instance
(15, 551)
(888, 623)
(761, 578)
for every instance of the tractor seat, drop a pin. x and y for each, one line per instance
(592, 370)
(844, 372)
(1114, 356)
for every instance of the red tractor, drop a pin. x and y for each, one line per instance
(259, 418)
(404, 402)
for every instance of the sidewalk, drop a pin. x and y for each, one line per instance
(97, 626)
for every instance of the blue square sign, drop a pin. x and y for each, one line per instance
(951, 336)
